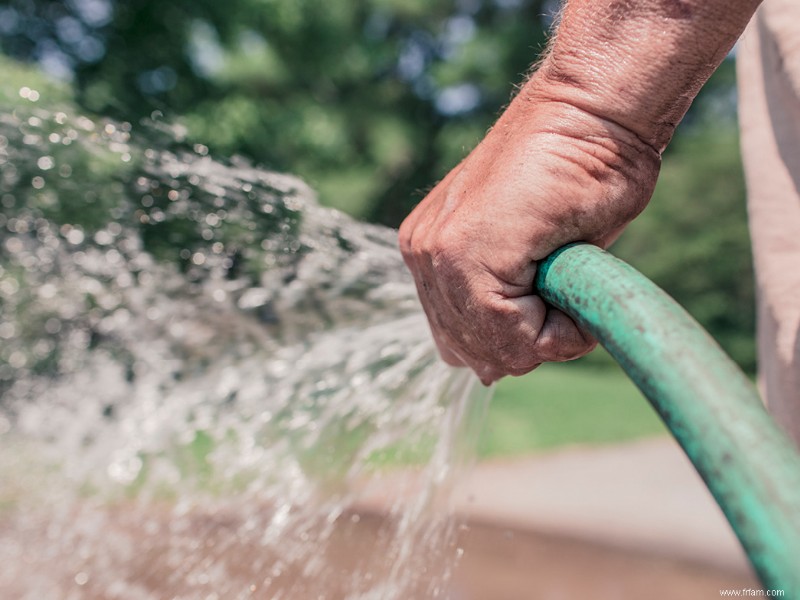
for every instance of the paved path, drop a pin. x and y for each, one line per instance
(643, 496)
(640, 497)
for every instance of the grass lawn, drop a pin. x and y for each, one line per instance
(562, 404)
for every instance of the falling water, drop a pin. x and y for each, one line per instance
(206, 378)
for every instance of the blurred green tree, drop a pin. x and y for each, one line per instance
(372, 101)
(693, 240)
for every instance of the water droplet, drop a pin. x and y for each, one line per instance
(43, 348)
(45, 163)
(14, 244)
(293, 203)
(75, 236)
(17, 359)
(113, 257)
(125, 468)
(9, 286)
(84, 123)
(47, 291)
(52, 326)
(28, 93)
(7, 330)
(103, 237)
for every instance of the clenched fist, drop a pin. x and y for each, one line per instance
(547, 174)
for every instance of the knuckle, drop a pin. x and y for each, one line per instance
(558, 350)
(519, 360)
(405, 238)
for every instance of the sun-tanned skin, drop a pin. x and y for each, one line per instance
(574, 157)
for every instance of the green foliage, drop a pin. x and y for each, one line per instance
(372, 101)
(368, 100)
(48, 169)
(564, 404)
(71, 187)
(17, 76)
(692, 240)
(81, 173)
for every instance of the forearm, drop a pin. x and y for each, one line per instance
(574, 157)
(637, 63)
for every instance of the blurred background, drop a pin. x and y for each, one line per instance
(371, 102)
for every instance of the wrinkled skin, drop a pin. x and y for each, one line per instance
(574, 158)
(547, 174)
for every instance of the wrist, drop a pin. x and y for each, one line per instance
(608, 170)
(541, 108)
(626, 117)
(640, 66)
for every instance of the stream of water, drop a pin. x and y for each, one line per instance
(202, 371)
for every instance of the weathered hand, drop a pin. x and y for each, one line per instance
(575, 157)
(547, 174)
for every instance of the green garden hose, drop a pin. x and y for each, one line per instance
(709, 405)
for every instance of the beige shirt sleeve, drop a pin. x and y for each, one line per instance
(768, 64)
